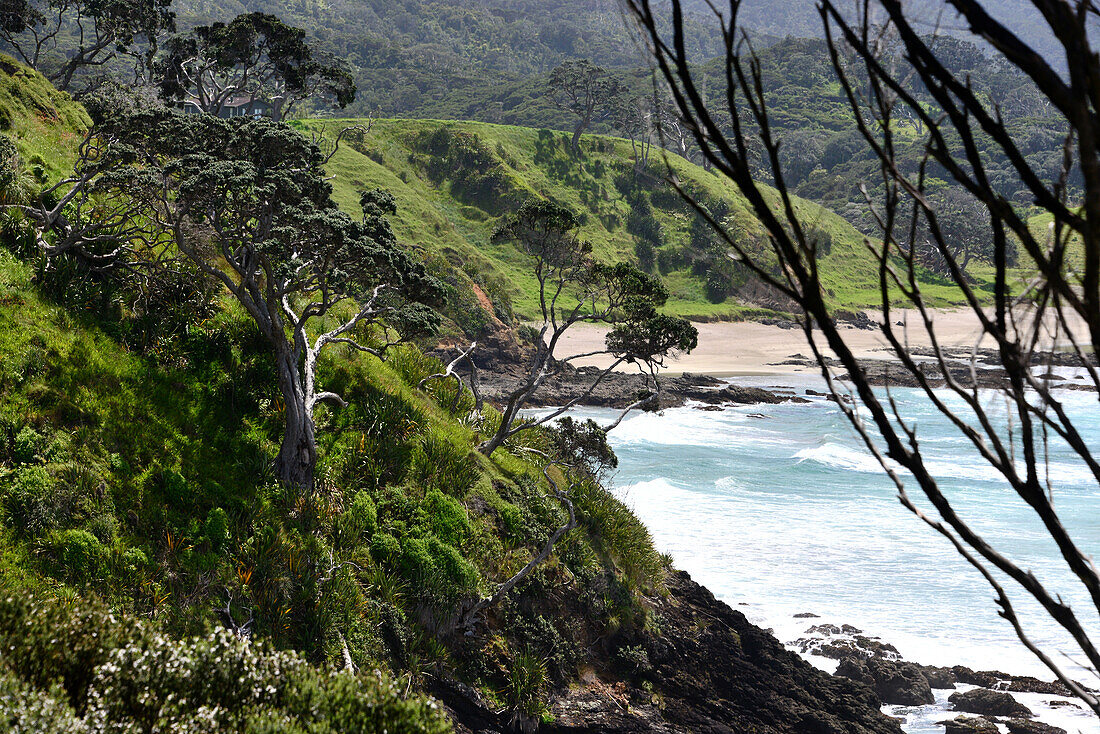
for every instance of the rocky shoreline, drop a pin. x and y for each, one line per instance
(984, 698)
(706, 670)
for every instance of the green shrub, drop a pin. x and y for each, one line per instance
(217, 527)
(443, 465)
(24, 710)
(49, 640)
(360, 519)
(457, 576)
(446, 516)
(126, 679)
(621, 534)
(227, 683)
(385, 547)
(526, 683)
(29, 445)
(80, 553)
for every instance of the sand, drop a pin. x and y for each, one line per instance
(731, 349)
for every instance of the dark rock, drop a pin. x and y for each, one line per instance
(806, 615)
(894, 682)
(938, 677)
(824, 629)
(992, 703)
(970, 725)
(839, 648)
(1023, 726)
(1060, 704)
(1004, 682)
(715, 672)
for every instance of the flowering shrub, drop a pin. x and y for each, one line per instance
(120, 678)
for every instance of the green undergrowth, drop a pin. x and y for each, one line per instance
(46, 125)
(143, 476)
(454, 180)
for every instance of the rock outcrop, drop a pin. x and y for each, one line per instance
(989, 703)
(709, 670)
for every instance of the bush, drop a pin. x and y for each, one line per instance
(446, 516)
(26, 711)
(360, 519)
(29, 445)
(126, 679)
(446, 466)
(80, 553)
(217, 527)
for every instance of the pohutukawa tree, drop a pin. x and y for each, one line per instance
(256, 56)
(575, 289)
(248, 202)
(1011, 426)
(584, 89)
(62, 37)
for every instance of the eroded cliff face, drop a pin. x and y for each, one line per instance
(707, 669)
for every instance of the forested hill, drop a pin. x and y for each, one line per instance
(408, 55)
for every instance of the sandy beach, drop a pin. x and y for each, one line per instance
(731, 349)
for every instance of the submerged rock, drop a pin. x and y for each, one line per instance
(992, 703)
(1005, 682)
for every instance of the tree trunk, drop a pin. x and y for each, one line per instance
(577, 135)
(298, 454)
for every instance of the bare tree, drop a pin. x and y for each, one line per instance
(575, 289)
(1060, 291)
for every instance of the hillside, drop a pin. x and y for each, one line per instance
(155, 576)
(406, 55)
(453, 180)
(46, 125)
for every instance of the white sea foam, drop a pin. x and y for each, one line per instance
(792, 514)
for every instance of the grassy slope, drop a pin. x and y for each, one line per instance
(432, 216)
(46, 124)
(145, 477)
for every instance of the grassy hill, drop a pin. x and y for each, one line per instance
(136, 455)
(45, 124)
(454, 180)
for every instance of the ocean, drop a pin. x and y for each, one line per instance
(779, 510)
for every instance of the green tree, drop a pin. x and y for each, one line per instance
(573, 289)
(255, 55)
(248, 203)
(583, 89)
(61, 37)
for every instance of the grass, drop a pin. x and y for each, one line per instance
(45, 124)
(434, 213)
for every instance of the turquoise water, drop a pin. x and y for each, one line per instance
(779, 510)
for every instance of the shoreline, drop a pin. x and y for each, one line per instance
(752, 349)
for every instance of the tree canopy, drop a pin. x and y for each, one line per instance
(256, 56)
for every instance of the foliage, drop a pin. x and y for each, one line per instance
(63, 37)
(118, 675)
(256, 56)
